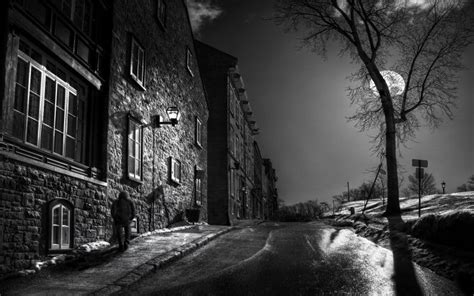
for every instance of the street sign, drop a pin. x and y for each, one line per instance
(420, 173)
(419, 163)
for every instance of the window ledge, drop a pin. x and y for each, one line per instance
(190, 71)
(39, 164)
(136, 180)
(137, 83)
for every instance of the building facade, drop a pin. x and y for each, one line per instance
(231, 131)
(270, 192)
(84, 86)
(257, 200)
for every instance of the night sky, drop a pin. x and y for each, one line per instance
(301, 105)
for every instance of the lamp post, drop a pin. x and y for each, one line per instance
(443, 185)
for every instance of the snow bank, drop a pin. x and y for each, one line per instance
(452, 228)
(94, 246)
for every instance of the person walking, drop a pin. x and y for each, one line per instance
(123, 212)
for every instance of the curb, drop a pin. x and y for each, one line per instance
(158, 262)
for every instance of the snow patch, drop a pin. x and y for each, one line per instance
(94, 246)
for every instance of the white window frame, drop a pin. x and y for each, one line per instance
(175, 170)
(139, 77)
(68, 91)
(135, 138)
(198, 132)
(189, 61)
(197, 188)
(64, 238)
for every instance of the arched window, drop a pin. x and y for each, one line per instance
(61, 228)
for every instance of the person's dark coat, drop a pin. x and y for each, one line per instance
(123, 210)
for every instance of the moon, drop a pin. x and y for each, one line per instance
(394, 81)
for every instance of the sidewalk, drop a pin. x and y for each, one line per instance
(145, 254)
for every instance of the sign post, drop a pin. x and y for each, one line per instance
(420, 164)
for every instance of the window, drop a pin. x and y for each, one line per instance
(135, 138)
(78, 11)
(198, 175)
(161, 12)
(231, 183)
(198, 132)
(189, 61)
(48, 112)
(60, 226)
(232, 99)
(137, 62)
(175, 170)
(231, 140)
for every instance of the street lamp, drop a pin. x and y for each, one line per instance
(443, 184)
(173, 115)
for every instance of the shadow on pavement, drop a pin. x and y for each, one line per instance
(406, 282)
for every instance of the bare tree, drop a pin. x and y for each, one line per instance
(468, 186)
(421, 40)
(427, 184)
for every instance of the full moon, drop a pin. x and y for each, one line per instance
(394, 81)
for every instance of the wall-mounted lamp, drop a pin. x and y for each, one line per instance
(173, 115)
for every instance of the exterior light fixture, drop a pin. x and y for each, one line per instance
(443, 185)
(173, 115)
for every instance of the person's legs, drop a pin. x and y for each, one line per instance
(119, 231)
(127, 235)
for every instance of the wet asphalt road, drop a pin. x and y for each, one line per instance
(292, 259)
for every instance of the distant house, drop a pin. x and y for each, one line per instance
(231, 131)
(82, 84)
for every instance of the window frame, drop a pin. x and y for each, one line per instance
(63, 205)
(175, 170)
(69, 91)
(140, 60)
(198, 186)
(198, 132)
(161, 12)
(189, 61)
(137, 158)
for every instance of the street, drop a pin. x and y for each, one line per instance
(292, 259)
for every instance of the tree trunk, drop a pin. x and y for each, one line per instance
(393, 203)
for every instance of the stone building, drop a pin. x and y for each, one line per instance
(270, 192)
(84, 86)
(231, 130)
(154, 67)
(257, 200)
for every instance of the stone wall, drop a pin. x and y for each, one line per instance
(214, 66)
(25, 193)
(167, 83)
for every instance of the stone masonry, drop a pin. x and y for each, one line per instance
(29, 187)
(167, 83)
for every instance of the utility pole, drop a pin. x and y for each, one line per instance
(348, 194)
